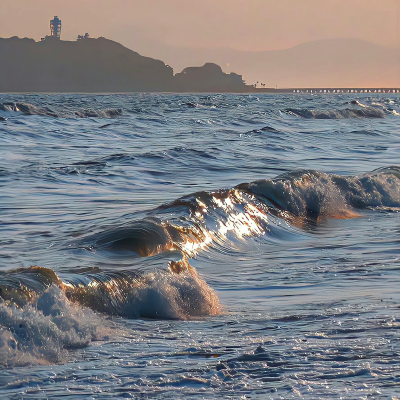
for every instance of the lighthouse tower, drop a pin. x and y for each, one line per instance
(55, 27)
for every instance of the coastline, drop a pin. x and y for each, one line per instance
(104, 66)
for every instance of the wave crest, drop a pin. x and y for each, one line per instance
(27, 109)
(364, 112)
(31, 109)
(177, 293)
(109, 113)
(313, 193)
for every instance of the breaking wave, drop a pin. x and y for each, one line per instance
(174, 293)
(42, 316)
(300, 198)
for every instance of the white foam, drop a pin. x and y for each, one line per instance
(41, 333)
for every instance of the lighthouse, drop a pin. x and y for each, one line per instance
(55, 27)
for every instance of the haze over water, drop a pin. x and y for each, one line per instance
(204, 245)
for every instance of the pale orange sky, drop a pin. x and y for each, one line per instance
(240, 24)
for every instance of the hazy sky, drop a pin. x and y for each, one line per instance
(240, 24)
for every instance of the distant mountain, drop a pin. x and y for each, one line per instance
(324, 63)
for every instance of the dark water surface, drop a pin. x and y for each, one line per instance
(233, 246)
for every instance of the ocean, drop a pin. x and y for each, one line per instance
(204, 245)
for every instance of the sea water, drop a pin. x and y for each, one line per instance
(236, 246)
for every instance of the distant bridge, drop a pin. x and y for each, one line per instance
(328, 90)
